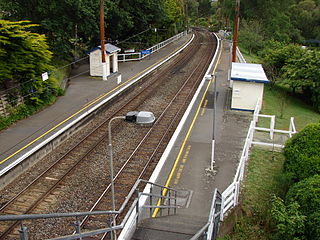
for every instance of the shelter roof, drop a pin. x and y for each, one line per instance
(248, 72)
(109, 49)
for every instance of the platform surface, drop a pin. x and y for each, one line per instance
(191, 154)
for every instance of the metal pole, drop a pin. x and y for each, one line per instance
(103, 50)
(111, 171)
(235, 31)
(23, 232)
(214, 122)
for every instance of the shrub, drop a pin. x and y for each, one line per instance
(313, 223)
(288, 220)
(307, 194)
(302, 153)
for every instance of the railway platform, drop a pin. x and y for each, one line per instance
(187, 166)
(83, 94)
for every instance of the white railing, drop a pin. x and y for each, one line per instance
(240, 56)
(125, 57)
(230, 196)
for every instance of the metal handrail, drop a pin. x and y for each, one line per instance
(200, 232)
(134, 205)
(209, 226)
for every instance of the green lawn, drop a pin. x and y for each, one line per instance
(250, 58)
(278, 103)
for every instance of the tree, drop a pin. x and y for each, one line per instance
(251, 35)
(276, 55)
(61, 20)
(73, 25)
(305, 16)
(24, 56)
(303, 73)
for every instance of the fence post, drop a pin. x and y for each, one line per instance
(236, 193)
(77, 227)
(137, 206)
(272, 123)
(150, 199)
(222, 207)
(23, 232)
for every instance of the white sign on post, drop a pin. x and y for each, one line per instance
(45, 76)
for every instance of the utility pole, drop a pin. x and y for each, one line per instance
(102, 43)
(235, 31)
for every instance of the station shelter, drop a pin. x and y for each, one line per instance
(247, 82)
(111, 60)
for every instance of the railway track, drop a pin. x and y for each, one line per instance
(143, 153)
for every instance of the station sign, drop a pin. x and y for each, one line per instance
(143, 52)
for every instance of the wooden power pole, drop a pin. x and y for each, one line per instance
(235, 31)
(102, 43)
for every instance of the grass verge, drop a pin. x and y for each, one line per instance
(252, 219)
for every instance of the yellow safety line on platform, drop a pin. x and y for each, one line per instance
(86, 106)
(164, 191)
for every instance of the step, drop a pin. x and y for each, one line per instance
(170, 227)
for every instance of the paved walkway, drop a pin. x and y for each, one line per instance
(82, 90)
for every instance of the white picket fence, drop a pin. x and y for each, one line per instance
(230, 197)
(126, 57)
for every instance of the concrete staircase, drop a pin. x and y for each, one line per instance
(174, 227)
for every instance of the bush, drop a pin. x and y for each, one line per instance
(288, 220)
(302, 153)
(313, 223)
(307, 194)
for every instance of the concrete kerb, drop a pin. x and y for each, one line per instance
(129, 228)
(84, 114)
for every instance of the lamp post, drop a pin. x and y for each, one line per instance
(142, 118)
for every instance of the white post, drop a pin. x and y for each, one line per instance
(212, 156)
(272, 123)
(115, 62)
(235, 197)
(107, 65)
(104, 71)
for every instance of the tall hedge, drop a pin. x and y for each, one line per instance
(302, 153)
(307, 194)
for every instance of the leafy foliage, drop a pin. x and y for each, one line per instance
(312, 226)
(288, 220)
(302, 153)
(73, 25)
(303, 72)
(307, 194)
(277, 54)
(251, 35)
(24, 56)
